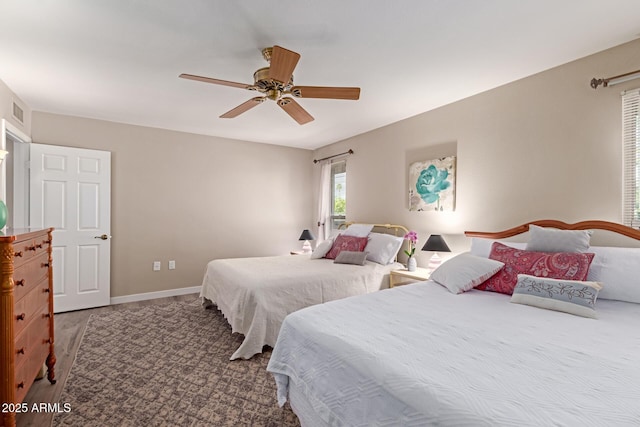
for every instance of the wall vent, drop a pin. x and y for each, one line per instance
(18, 114)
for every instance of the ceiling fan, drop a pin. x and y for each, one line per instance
(276, 83)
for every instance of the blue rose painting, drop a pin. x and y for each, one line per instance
(432, 185)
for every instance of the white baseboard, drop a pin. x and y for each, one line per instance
(155, 295)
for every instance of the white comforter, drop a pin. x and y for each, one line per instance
(418, 355)
(255, 294)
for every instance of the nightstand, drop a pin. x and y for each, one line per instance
(404, 276)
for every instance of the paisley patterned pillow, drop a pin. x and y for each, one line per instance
(554, 265)
(346, 243)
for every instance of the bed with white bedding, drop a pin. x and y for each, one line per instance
(421, 355)
(256, 294)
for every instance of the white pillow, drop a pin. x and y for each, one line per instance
(383, 248)
(569, 296)
(619, 270)
(358, 230)
(482, 247)
(333, 234)
(464, 272)
(321, 250)
(543, 239)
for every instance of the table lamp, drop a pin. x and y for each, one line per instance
(435, 243)
(306, 236)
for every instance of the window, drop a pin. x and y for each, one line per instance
(338, 193)
(631, 150)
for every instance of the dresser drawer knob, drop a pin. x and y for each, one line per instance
(46, 315)
(32, 248)
(21, 384)
(46, 242)
(21, 316)
(46, 290)
(18, 254)
(39, 245)
(20, 282)
(20, 351)
(47, 341)
(45, 265)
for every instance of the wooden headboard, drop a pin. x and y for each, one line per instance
(583, 225)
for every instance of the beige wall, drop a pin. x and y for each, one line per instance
(189, 198)
(547, 146)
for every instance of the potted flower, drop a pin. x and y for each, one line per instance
(412, 237)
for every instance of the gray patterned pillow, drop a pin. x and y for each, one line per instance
(570, 296)
(351, 257)
(543, 239)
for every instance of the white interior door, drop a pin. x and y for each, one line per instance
(70, 190)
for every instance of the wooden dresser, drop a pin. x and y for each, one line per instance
(26, 314)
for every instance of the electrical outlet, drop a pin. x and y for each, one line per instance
(172, 265)
(156, 265)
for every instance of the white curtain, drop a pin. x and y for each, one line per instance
(324, 203)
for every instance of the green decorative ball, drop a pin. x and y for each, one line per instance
(3, 214)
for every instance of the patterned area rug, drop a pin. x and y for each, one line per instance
(168, 365)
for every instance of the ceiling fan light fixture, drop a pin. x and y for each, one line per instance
(274, 94)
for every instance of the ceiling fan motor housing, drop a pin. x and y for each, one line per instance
(264, 84)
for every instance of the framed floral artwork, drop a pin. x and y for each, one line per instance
(432, 185)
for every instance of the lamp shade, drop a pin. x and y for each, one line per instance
(435, 243)
(306, 235)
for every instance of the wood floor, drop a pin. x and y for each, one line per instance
(69, 328)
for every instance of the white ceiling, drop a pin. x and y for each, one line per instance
(119, 60)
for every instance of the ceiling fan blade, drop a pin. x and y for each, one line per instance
(326, 92)
(295, 110)
(283, 62)
(253, 102)
(215, 81)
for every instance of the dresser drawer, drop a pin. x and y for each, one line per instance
(27, 372)
(33, 337)
(31, 305)
(25, 250)
(22, 347)
(21, 382)
(29, 274)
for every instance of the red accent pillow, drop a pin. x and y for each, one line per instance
(554, 265)
(346, 243)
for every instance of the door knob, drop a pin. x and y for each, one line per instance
(103, 237)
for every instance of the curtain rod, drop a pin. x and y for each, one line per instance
(335, 155)
(610, 81)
